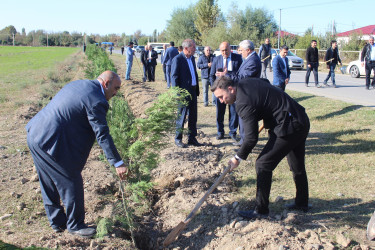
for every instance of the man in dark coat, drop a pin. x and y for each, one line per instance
(152, 55)
(184, 75)
(332, 58)
(60, 138)
(288, 126)
(312, 60)
(144, 62)
(368, 61)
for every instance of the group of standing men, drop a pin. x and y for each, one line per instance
(236, 82)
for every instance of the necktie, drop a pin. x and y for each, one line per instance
(225, 63)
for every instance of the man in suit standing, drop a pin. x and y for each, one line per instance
(169, 55)
(144, 62)
(368, 61)
(152, 55)
(184, 75)
(312, 59)
(281, 71)
(288, 126)
(204, 64)
(60, 138)
(227, 63)
(129, 60)
(162, 61)
(265, 56)
(250, 67)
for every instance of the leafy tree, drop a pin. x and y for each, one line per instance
(181, 25)
(253, 24)
(207, 16)
(355, 43)
(305, 41)
(216, 35)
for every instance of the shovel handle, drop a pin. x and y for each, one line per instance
(212, 188)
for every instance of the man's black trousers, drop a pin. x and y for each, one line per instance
(291, 146)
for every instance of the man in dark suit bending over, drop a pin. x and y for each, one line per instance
(60, 138)
(288, 126)
(184, 75)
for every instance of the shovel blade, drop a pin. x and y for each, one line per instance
(173, 235)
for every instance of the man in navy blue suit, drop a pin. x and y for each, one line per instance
(169, 55)
(250, 67)
(281, 71)
(60, 138)
(184, 75)
(227, 63)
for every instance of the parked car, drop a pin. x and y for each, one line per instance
(294, 61)
(199, 51)
(355, 68)
(159, 49)
(140, 48)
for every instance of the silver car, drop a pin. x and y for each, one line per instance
(294, 61)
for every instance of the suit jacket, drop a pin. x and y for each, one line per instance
(217, 63)
(67, 127)
(203, 65)
(169, 55)
(162, 57)
(144, 57)
(180, 73)
(250, 67)
(154, 56)
(280, 72)
(257, 101)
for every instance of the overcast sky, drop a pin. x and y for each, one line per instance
(123, 16)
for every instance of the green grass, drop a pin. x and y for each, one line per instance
(339, 163)
(21, 59)
(21, 67)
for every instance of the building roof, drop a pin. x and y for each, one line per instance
(284, 33)
(367, 30)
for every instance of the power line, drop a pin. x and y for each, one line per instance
(314, 4)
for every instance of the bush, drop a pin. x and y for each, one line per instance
(99, 62)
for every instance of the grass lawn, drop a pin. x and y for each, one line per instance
(24, 66)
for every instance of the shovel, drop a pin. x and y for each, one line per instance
(177, 230)
(181, 226)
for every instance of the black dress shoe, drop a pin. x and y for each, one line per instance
(59, 229)
(294, 206)
(252, 214)
(194, 142)
(87, 232)
(234, 138)
(179, 144)
(219, 137)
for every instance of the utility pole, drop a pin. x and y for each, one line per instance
(13, 39)
(47, 39)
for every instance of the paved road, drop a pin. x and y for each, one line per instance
(351, 90)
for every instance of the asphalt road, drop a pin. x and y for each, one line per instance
(351, 90)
